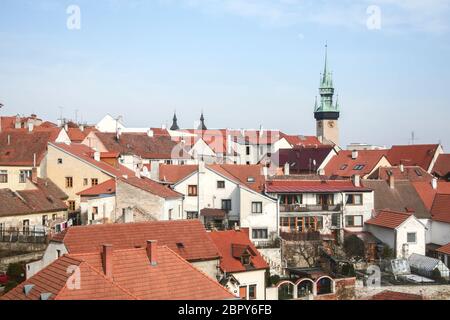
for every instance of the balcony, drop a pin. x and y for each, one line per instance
(309, 208)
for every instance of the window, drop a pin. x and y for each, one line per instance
(256, 207)
(252, 292)
(220, 184)
(3, 176)
(243, 292)
(192, 191)
(354, 221)
(58, 253)
(247, 151)
(355, 199)
(94, 212)
(245, 259)
(260, 234)
(85, 182)
(54, 217)
(26, 226)
(60, 161)
(359, 167)
(170, 214)
(250, 179)
(412, 237)
(69, 182)
(247, 163)
(94, 182)
(191, 215)
(24, 175)
(344, 166)
(71, 205)
(226, 205)
(44, 220)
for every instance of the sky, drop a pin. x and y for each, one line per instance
(245, 63)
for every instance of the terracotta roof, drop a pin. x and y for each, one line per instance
(107, 187)
(23, 146)
(213, 213)
(133, 277)
(76, 135)
(343, 165)
(444, 249)
(442, 165)
(413, 155)
(156, 147)
(427, 193)
(414, 173)
(188, 238)
(231, 245)
(52, 281)
(301, 140)
(302, 159)
(389, 219)
(391, 295)
(248, 175)
(175, 173)
(152, 187)
(293, 186)
(41, 200)
(440, 211)
(403, 197)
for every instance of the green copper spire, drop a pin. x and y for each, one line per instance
(326, 90)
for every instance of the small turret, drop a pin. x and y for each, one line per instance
(175, 126)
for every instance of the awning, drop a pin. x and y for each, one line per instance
(213, 213)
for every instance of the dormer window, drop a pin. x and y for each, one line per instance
(245, 260)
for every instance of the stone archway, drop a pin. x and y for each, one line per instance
(325, 285)
(286, 290)
(305, 287)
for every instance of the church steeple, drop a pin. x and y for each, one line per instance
(326, 111)
(202, 125)
(175, 126)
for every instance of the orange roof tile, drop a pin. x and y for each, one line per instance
(391, 295)
(231, 245)
(413, 155)
(188, 238)
(107, 187)
(249, 176)
(414, 173)
(133, 277)
(389, 219)
(175, 173)
(440, 211)
(442, 165)
(343, 165)
(444, 249)
(427, 193)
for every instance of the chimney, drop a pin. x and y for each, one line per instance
(97, 155)
(150, 133)
(265, 172)
(152, 252)
(9, 139)
(82, 127)
(107, 258)
(118, 133)
(392, 181)
(163, 127)
(357, 180)
(402, 168)
(434, 183)
(34, 175)
(354, 154)
(30, 126)
(66, 127)
(18, 123)
(287, 169)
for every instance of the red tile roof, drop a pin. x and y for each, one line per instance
(175, 173)
(54, 280)
(301, 140)
(133, 277)
(440, 211)
(42, 200)
(107, 187)
(413, 155)
(444, 249)
(213, 213)
(295, 186)
(427, 193)
(152, 187)
(249, 176)
(76, 135)
(231, 245)
(301, 159)
(190, 233)
(414, 173)
(389, 219)
(22, 147)
(442, 165)
(156, 147)
(391, 295)
(343, 165)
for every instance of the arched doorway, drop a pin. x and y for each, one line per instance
(325, 285)
(305, 287)
(286, 290)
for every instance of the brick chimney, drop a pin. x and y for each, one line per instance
(107, 257)
(355, 154)
(392, 181)
(152, 252)
(357, 180)
(34, 175)
(287, 168)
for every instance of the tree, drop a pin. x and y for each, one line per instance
(354, 247)
(306, 252)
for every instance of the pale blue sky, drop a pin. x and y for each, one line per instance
(246, 63)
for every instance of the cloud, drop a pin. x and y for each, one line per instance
(397, 15)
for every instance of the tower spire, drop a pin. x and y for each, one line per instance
(202, 125)
(175, 126)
